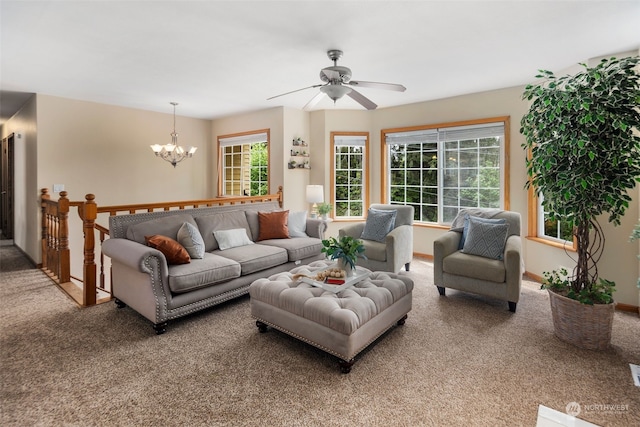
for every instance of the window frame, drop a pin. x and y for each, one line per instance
(364, 171)
(535, 212)
(504, 166)
(241, 138)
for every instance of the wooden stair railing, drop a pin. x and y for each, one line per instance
(56, 255)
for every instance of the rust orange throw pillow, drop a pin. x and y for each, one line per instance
(173, 251)
(273, 225)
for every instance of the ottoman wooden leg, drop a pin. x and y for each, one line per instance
(401, 321)
(262, 328)
(345, 366)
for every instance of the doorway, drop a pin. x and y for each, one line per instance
(7, 188)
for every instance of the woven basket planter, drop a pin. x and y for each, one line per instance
(585, 326)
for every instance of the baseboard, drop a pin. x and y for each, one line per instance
(425, 256)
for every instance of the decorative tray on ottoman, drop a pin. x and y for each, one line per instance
(359, 275)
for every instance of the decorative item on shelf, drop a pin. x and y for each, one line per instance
(581, 143)
(346, 251)
(299, 152)
(172, 152)
(315, 195)
(324, 209)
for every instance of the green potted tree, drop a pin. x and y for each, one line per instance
(346, 250)
(583, 157)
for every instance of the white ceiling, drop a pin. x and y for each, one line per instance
(217, 58)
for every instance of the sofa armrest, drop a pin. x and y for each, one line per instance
(443, 246)
(316, 227)
(514, 266)
(353, 230)
(132, 254)
(399, 243)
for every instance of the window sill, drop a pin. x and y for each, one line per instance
(558, 245)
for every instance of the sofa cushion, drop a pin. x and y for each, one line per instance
(297, 224)
(203, 272)
(273, 225)
(189, 237)
(297, 248)
(220, 221)
(233, 238)
(476, 267)
(173, 251)
(378, 224)
(255, 257)
(485, 239)
(165, 226)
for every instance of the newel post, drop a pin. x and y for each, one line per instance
(64, 273)
(89, 215)
(44, 198)
(280, 196)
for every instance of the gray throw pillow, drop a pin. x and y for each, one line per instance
(465, 230)
(379, 223)
(189, 237)
(486, 239)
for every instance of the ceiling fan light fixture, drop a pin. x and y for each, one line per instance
(335, 92)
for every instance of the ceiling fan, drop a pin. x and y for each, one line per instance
(338, 83)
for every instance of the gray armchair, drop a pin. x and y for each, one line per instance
(396, 250)
(496, 278)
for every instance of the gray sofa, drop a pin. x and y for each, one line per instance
(143, 280)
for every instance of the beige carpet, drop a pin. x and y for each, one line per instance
(460, 360)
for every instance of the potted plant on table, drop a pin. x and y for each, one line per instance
(583, 158)
(324, 209)
(346, 250)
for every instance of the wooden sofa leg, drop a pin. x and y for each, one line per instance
(160, 328)
(119, 303)
(345, 365)
(406, 266)
(441, 290)
(512, 306)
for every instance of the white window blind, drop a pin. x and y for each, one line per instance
(243, 139)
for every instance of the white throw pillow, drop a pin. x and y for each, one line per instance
(233, 238)
(297, 223)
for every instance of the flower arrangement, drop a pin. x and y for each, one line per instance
(346, 248)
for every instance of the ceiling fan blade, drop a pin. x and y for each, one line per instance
(362, 100)
(312, 103)
(376, 85)
(294, 91)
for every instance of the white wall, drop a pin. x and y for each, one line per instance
(27, 229)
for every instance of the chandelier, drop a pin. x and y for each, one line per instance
(173, 153)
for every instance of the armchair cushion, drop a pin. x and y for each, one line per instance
(485, 239)
(465, 229)
(378, 224)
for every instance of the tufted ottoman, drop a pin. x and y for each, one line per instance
(342, 323)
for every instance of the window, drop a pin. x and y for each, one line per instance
(441, 169)
(349, 173)
(555, 230)
(244, 164)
